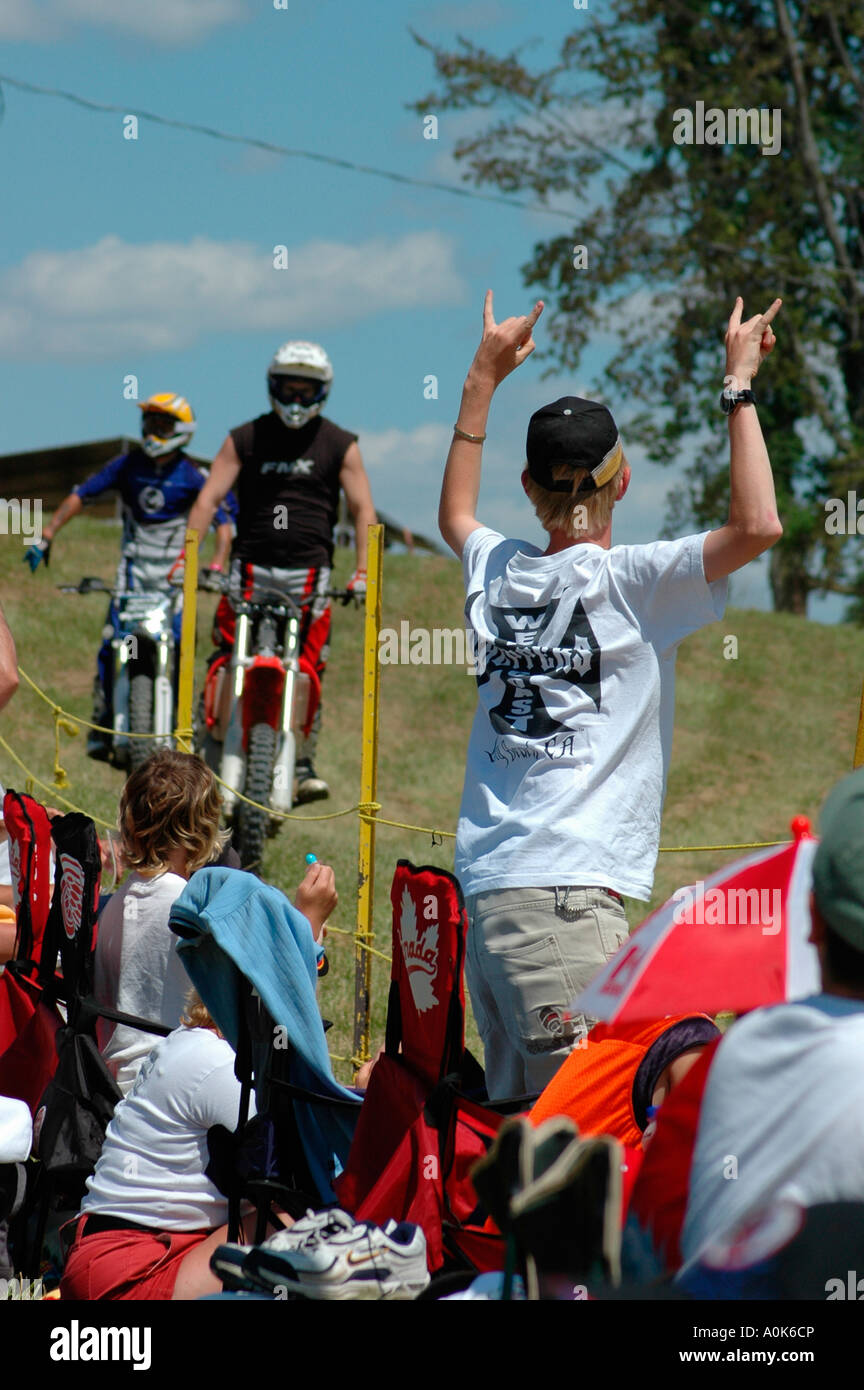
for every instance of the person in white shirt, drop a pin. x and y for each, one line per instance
(575, 650)
(152, 1217)
(137, 969)
(169, 827)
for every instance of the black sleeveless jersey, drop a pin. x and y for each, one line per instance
(288, 490)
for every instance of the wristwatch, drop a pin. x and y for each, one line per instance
(731, 396)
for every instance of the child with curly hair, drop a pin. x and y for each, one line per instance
(169, 827)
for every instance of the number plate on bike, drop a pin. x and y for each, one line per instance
(134, 608)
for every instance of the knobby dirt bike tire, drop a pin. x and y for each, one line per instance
(140, 719)
(251, 824)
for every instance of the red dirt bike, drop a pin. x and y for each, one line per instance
(257, 700)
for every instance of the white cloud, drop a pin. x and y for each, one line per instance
(405, 468)
(167, 22)
(114, 296)
(18, 20)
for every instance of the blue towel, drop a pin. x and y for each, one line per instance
(232, 924)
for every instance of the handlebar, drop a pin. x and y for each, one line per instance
(92, 584)
(276, 597)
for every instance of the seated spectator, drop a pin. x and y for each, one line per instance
(151, 1217)
(169, 827)
(609, 1081)
(782, 1113)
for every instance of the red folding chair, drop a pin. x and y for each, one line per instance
(425, 1119)
(29, 1019)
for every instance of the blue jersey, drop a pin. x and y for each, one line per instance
(151, 494)
(156, 502)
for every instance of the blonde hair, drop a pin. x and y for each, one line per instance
(574, 514)
(196, 1014)
(171, 802)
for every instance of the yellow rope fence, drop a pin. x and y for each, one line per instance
(68, 723)
(65, 721)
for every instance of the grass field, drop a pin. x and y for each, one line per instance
(758, 738)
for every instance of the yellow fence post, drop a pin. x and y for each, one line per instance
(859, 737)
(186, 682)
(368, 793)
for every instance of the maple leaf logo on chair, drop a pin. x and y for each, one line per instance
(420, 953)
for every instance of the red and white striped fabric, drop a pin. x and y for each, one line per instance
(734, 942)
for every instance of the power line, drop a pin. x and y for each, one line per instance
(740, 253)
(283, 150)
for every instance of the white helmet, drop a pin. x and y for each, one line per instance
(298, 381)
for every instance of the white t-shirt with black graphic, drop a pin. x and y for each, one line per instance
(569, 750)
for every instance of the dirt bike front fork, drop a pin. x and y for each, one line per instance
(233, 757)
(125, 657)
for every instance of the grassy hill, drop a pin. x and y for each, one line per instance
(758, 738)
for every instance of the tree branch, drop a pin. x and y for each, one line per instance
(843, 53)
(809, 148)
(827, 416)
(833, 586)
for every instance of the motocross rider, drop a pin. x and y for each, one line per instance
(288, 467)
(158, 484)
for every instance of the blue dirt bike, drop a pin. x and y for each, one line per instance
(144, 661)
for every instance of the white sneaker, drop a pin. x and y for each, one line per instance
(229, 1261)
(345, 1260)
(315, 1225)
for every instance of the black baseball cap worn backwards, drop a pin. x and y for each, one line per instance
(578, 433)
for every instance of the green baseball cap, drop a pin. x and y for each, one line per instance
(838, 864)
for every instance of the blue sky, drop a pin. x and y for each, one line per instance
(154, 257)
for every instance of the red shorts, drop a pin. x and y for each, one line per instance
(126, 1264)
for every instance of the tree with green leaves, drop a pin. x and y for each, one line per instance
(673, 231)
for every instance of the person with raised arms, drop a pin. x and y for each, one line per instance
(569, 750)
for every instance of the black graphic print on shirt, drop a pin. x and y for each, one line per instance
(532, 669)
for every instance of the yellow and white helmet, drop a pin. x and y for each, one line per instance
(167, 423)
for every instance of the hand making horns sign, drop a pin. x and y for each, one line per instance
(748, 344)
(504, 346)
